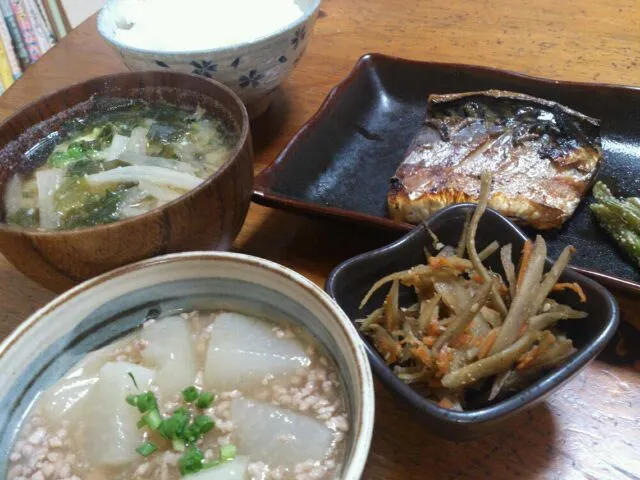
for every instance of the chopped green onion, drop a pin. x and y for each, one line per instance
(181, 417)
(146, 449)
(190, 394)
(179, 429)
(147, 401)
(153, 419)
(227, 452)
(167, 429)
(174, 426)
(178, 444)
(205, 400)
(182, 411)
(191, 433)
(191, 461)
(204, 423)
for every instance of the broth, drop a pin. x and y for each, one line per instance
(278, 401)
(117, 164)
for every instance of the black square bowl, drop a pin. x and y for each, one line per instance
(349, 282)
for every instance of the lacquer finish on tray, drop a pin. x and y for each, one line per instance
(340, 162)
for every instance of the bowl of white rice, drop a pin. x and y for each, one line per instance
(249, 45)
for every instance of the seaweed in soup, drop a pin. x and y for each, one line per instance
(122, 158)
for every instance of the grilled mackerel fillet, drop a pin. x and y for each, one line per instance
(543, 156)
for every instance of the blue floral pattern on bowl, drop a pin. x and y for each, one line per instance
(299, 36)
(204, 68)
(252, 79)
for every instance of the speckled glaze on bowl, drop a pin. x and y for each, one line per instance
(252, 69)
(110, 306)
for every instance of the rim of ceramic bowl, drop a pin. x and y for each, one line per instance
(362, 439)
(244, 135)
(105, 10)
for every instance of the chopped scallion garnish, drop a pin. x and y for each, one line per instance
(178, 444)
(147, 401)
(227, 452)
(205, 400)
(179, 428)
(191, 433)
(204, 423)
(191, 461)
(190, 394)
(153, 419)
(146, 449)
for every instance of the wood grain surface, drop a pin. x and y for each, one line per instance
(591, 428)
(208, 217)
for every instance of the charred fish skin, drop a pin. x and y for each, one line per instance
(544, 158)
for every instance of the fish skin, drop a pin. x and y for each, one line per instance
(544, 157)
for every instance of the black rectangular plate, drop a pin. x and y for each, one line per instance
(340, 162)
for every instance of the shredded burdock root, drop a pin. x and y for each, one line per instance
(472, 327)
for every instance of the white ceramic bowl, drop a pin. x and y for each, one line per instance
(251, 69)
(100, 310)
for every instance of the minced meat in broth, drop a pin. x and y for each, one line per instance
(278, 407)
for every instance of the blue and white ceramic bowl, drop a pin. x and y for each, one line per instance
(100, 310)
(251, 69)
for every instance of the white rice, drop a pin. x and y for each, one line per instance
(167, 25)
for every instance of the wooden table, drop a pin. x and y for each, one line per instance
(589, 430)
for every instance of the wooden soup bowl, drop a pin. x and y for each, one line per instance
(207, 217)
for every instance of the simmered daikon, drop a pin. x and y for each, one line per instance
(281, 435)
(215, 396)
(111, 434)
(170, 351)
(243, 350)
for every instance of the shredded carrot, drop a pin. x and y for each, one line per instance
(477, 278)
(389, 349)
(443, 362)
(429, 341)
(524, 261)
(455, 263)
(503, 289)
(461, 340)
(445, 403)
(488, 342)
(433, 329)
(422, 353)
(526, 358)
(571, 286)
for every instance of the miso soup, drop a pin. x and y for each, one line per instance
(200, 395)
(117, 164)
